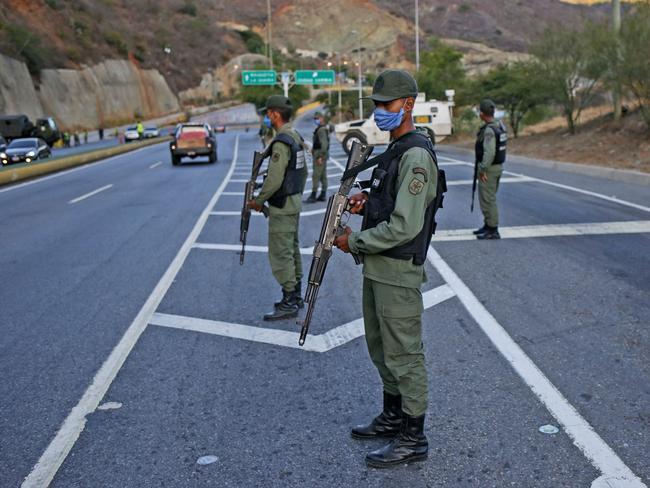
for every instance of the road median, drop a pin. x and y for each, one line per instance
(12, 175)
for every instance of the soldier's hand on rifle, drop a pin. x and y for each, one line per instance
(357, 201)
(342, 241)
(483, 177)
(252, 204)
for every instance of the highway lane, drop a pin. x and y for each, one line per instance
(75, 274)
(273, 415)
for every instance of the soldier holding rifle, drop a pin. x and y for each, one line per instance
(398, 221)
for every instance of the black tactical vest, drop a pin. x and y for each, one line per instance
(316, 140)
(383, 194)
(501, 143)
(295, 175)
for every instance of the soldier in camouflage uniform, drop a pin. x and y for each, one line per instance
(491, 142)
(320, 154)
(395, 235)
(282, 189)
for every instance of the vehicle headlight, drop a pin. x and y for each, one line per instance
(31, 154)
(173, 147)
(3, 155)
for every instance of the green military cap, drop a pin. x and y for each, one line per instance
(319, 114)
(277, 101)
(393, 84)
(487, 106)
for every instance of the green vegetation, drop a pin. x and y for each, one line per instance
(27, 45)
(115, 40)
(257, 95)
(441, 68)
(188, 8)
(349, 104)
(254, 43)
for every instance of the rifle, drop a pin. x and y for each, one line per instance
(471, 207)
(251, 185)
(337, 206)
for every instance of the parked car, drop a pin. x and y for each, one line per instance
(151, 131)
(131, 134)
(25, 151)
(3, 144)
(193, 140)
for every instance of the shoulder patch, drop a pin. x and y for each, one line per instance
(275, 156)
(421, 171)
(415, 186)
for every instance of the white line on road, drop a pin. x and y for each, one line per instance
(241, 193)
(603, 458)
(518, 179)
(233, 213)
(90, 194)
(155, 165)
(50, 461)
(553, 230)
(237, 247)
(568, 187)
(327, 341)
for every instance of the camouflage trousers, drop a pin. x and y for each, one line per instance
(392, 317)
(487, 195)
(284, 250)
(319, 176)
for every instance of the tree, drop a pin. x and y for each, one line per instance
(572, 67)
(441, 68)
(518, 87)
(635, 53)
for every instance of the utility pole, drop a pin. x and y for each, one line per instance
(358, 34)
(338, 77)
(616, 26)
(269, 49)
(417, 36)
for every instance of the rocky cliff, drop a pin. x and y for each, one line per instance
(111, 92)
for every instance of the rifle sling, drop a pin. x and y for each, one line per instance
(384, 157)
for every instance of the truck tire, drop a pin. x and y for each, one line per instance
(213, 157)
(176, 160)
(352, 137)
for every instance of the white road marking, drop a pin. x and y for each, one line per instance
(307, 251)
(584, 437)
(155, 165)
(238, 181)
(50, 461)
(518, 179)
(568, 187)
(315, 343)
(73, 170)
(241, 193)
(553, 230)
(233, 213)
(90, 194)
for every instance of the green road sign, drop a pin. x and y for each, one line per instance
(323, 77)
(258, 77)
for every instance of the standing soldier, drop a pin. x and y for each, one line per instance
(396, 232)
(491, 142)
(320, 154)
(282, 189)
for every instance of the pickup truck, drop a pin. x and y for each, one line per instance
(193, 140)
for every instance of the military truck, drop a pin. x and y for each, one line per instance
(19, 126)
(433, 115)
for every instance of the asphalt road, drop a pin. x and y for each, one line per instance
(122, 288)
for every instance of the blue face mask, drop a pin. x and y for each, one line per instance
(386, 120)
(267, 121)
(317, 122)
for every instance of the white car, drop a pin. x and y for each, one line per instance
(433, 115)
(151, 131)
(131, 134)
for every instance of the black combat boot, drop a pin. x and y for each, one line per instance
(299, 300)
(410, 445)
(312, 198)
(490, 233)
(386, 424)
(482, 230)
(322, 197)
(287, 309)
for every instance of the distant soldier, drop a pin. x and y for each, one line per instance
(140, 130)
(491, 142)
(85, 137)
(101, 133)
(282, 189)
(77, 140)
(66, 139)
(320, 154)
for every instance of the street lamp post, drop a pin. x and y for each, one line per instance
(269, 49)
(417, 36)
(358, 34)
(338, 78)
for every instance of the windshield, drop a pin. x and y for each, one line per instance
(132, 127)
(194, 131)
(19, 144)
